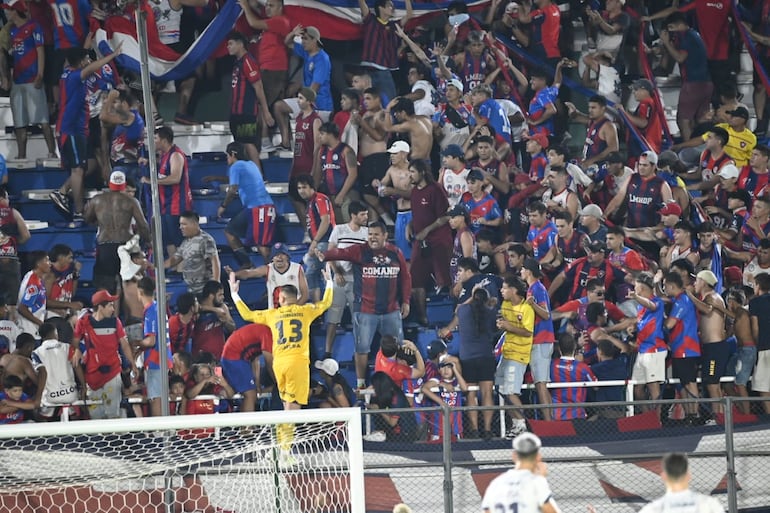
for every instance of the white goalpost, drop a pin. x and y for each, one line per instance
(304, 461)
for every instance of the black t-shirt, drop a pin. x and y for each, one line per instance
(759, 307)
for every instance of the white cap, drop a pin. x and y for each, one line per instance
(328, 365)
(592, 210)
(729, 171)
(399, 146)
(456, 83)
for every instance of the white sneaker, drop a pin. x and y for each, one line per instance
(267, 145)
(518, 427)
(376, 436)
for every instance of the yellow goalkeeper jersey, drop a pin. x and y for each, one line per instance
(289, 324)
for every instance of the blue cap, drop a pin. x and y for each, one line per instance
(278, 249)
(453, 150)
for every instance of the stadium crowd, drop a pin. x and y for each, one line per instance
(446, 170)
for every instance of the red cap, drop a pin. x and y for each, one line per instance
(102, 296)
(671, 209)
(733, 274)
(539, 138)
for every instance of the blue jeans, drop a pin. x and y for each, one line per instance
(313, 268)
(383, 80)
(366, 324)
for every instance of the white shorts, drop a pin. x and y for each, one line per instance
(28, 105)
(540, 362)
(510, 376)
(761, 380)
(110, 396)
(342, 297)
(294, 106)
(650, 368)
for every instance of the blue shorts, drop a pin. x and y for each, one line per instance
(239, 374)
(365, 325)
(172, 234)
(254, 226)
(313, 268)
(403, 218)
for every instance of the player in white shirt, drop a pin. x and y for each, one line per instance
(343, 236)
(524, 489)
(679, 498)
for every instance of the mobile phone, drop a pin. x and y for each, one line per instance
(218, 371)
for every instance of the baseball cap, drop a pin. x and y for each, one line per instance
(102, 296)
(671, 209)
(643, 83)
(118, 181)
(540, 139)
(615, 157)
(328, 365)
(436, 348)
(532, 265)
(592, 210)
(729, 171)
(308, 93)
(16, 5)
(739, 112)
(667, 158)
(453, 150)
(596, 246)
(733, 274)
(457, 210)
(527, 444)
(708, 277)
(314, 33)
(456, 83)
(279, 248)
(399, 146)
(651, 156)
(475, 174)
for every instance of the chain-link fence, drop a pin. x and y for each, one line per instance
(611, 461)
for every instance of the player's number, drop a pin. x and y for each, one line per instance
(511, 508)
(65, 16)
(293, 332)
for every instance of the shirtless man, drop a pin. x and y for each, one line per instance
(714, 348)
(741, 363)
(19, 363)
(418, 128)
(113, 212)
(372, 143)
(396, 183)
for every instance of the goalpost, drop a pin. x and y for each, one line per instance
(228, 463)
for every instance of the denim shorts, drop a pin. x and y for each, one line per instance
(741, 364)
(152, 379)
(510, 376)
(365, 325)
(540, 362)
(313, 268)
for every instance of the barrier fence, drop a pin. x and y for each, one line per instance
(611, 464)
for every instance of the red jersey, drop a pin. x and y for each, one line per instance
(273, 54)
(713, 26)
(317, 207)
(180, 333)
(174, 199)
(248, 342)
(429, 204)
(304, 144)
(100, 341)
(398, 372)
(243, 100)
(8, 248)
(654, 131)
(63, 286)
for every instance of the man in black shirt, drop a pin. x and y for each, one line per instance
(759, 310)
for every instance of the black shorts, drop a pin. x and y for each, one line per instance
(685, 369)
(481, 369)
(714, 358)
(372, 167)
(107, 266)
(94, 136)
(74, 152)
(274, 83)
(10, 279)
(246, 129)
(51, 73)
(170, 229)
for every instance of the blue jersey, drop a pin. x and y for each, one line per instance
(14, 417)
(73, 110)
(543, 333)
(538, 106)
(542, 239)
(70, 22)
(485, 208)
(251, 187)
(25, 41)
(569, 370)
(317, 69)
(150, 327)
(495, 116)
(649, 324)
(683, 337)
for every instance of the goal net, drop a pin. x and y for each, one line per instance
(308, 461)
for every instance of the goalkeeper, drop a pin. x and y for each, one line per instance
(290, 325)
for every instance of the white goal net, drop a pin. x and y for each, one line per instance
(308, 461)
